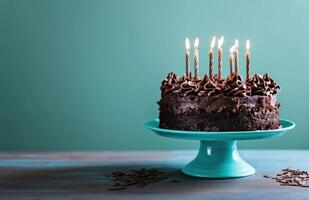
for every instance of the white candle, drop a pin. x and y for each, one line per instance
(220, 43)
(236, 56)
(196, 61)
(210, 53)
(248, 59)
(187, 56)
(232, 49)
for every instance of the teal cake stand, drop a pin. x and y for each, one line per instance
(218, 155)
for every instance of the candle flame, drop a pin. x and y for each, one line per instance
(232, 49)
(220, 42)
(196, 42)
(248, 45)
(236, 44)
(187, 44)
(213, 41)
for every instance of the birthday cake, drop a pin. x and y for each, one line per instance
(216, 104)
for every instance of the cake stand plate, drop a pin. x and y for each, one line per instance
(218, 156)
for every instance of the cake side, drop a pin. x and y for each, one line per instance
(219, 113)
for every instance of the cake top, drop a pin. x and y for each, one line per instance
(233, 85)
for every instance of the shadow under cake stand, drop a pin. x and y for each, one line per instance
(218, 155)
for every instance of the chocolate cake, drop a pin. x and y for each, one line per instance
(230, 104)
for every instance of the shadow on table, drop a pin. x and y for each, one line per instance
(85, 179)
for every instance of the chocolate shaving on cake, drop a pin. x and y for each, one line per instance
(291, 177)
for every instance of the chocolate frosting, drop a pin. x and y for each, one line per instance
(170, 84)
(263, 86)
(271, 84)
(208, 87)
(233, 86)
(188, 87)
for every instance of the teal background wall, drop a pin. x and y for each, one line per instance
(85, 75)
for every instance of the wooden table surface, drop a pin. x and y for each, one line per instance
(80, 175)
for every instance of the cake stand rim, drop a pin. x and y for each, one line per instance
(224, 135)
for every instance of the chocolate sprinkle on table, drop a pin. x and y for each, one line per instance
(292, 177)
(140, 178)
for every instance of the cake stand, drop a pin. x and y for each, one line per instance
(218, 155)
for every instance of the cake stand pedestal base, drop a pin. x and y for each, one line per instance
(218, 156)
(218, 159)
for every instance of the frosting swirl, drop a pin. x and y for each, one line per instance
(271, 84)
(208, 87)
(171, 83)
(263, 86)
(189, 87)
(235, 86)
(219, 82)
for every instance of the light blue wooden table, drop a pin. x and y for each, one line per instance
(81, 175)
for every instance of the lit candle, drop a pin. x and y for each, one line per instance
(210, 53)
(187, 57)
(220, 43)
(236, 56)
(248, 59)
(196, 62)
(232, 49)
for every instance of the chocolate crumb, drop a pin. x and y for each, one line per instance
(135, 177)
(119, 188)
(291, 177)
